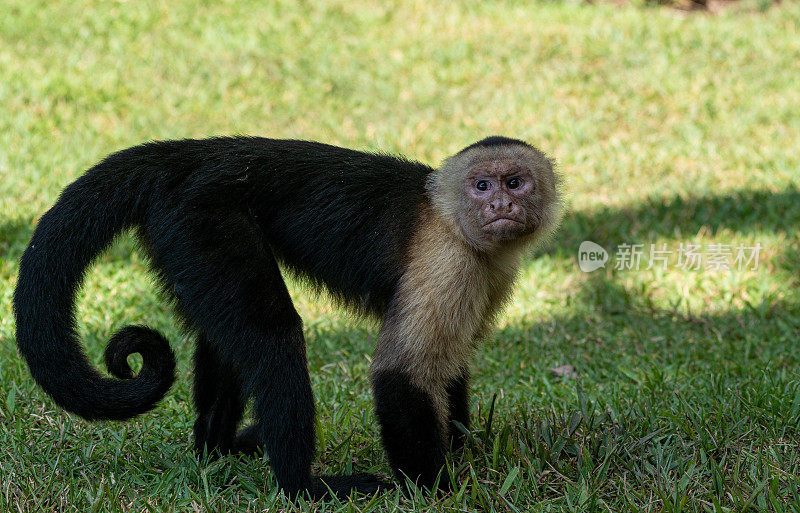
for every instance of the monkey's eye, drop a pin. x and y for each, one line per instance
(483, 185)
(514, 183)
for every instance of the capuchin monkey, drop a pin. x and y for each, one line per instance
(431, 252)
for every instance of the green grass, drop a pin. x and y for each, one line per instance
(669, 127)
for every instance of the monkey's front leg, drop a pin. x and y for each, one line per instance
(411, 426)
(420, 380)
(458, 404)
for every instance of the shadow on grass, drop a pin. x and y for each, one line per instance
(663, 400)
(742, 211)
(612, 326)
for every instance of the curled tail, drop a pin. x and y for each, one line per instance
(87, 216)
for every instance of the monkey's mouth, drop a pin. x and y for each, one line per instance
(503, 223)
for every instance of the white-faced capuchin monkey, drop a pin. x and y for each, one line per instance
(431, 252)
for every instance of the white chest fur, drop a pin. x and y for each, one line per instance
(447, 298)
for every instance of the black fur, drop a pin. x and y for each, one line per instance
(216, 216)
(458, 402)
(412, 436)
(219, 400)
(494, 140)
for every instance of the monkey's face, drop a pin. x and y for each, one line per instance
(498, 195)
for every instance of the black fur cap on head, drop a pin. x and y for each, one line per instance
(494, 140)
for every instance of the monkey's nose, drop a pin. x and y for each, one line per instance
(502, 206)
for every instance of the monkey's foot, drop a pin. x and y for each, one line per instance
(346, 486)
(246, 442)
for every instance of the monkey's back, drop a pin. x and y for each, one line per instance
(352, 224)
(339, 218)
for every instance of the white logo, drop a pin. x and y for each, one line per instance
(591, 256)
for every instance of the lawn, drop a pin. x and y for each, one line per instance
(671, 128)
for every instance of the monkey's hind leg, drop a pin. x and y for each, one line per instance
(234, 293)
(220, 404)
